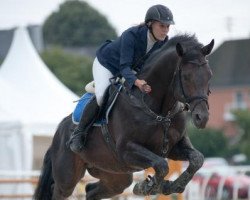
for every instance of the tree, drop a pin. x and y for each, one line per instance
(242, 119)
(74, 71)
(210, 142)
(77, 24)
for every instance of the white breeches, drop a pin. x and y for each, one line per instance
(101, 77)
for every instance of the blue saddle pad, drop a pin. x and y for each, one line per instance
(77, 113)
(84, 100)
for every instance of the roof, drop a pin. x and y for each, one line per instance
(5, 41)
(230, 64)
(30, 92)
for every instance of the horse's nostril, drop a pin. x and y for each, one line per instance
(198, 118)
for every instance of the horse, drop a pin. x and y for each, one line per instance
(146, 129)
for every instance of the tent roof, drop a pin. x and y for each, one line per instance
(230, 64)
(29, 90)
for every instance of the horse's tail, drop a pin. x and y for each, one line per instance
(44, 187)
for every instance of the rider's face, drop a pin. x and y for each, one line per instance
(160, 30)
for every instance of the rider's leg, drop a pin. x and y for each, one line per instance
(78, 137)
(101, 78)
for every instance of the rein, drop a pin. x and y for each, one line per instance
(164, 120)
(159, 118)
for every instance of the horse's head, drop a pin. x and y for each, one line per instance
(192, 81)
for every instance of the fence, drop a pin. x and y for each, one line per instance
(202, 187)
(12, 179)
(220, 183)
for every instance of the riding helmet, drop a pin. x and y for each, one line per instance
(159, 13)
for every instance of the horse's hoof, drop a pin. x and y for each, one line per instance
(178, 189)
(145, 188)
(166, 188)
(138, 190)
(89, 187)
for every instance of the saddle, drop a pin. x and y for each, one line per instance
(109, 99)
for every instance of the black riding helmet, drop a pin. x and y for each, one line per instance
(159, 13)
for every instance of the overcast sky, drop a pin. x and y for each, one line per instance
(208, 19)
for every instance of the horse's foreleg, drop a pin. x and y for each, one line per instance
(183, 151)
(142, 158)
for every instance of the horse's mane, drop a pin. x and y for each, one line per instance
(188, 41)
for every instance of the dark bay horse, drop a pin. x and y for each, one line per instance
(146, 129)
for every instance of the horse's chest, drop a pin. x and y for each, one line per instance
(174, 136)
(162, 140)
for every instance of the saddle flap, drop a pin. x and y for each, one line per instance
(82, 102)
(109, 99)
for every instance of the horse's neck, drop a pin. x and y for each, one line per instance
(160, 77)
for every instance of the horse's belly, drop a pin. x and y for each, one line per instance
(99, 155)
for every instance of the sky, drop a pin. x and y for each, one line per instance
(209, 19)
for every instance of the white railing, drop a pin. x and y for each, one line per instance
(207, 192)
(21, 185)
(194, 190)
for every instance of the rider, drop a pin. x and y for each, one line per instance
(118, 58)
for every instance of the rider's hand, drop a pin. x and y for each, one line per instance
(142, 85)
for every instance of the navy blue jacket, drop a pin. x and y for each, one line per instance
(127, 52)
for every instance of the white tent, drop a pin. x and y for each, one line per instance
(33, 102)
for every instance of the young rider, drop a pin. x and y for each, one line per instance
(118, 58)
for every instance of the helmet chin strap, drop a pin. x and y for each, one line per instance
(149, 24)
(151, 31)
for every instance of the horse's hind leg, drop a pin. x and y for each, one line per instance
(68, 169)
(183, 151)
(108, 186)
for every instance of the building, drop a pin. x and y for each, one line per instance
(230, 84)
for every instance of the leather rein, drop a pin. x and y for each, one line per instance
(188, 100)
(166, 120)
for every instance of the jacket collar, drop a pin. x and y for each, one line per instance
(143, 31)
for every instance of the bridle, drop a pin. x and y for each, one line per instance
(188, 99)
(175, 110)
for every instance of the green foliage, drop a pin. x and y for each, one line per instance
(74, 71)
(210, 142)
(242, 119)
(77, 24)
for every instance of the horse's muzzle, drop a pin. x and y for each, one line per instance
(200, 114)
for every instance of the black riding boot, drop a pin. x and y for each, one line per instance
(78, 138)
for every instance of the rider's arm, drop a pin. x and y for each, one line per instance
(126, 57)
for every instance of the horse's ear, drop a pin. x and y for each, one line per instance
(179, 49)
(208, 48)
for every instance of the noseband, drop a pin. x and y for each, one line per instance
(189, 99)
